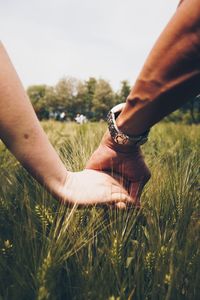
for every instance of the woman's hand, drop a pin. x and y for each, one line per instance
(91, 187)
(125, 161)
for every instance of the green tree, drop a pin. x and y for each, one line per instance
(103, 99)
(64, 94)
(90, 86)
(123, 92)
(37, 95)
(51, 98)
(79, 104)
(192, 110)
(68, 97)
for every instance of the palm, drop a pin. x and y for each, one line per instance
(91, 187)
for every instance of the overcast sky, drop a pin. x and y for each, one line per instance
(48, 39)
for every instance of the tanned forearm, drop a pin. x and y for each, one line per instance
(21, 131)
(180, 2)
(171, 73)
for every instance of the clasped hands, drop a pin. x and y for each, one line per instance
(114, 175)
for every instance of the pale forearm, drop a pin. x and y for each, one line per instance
(171, 74)
(21, 131)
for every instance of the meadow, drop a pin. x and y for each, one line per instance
(50, 251)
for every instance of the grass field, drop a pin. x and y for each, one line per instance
(48, 251)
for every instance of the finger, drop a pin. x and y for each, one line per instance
(122, 201)
(121, 205)
(126, 206)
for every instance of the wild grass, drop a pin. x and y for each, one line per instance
(50, 251)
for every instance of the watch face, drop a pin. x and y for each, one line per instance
(120, 138)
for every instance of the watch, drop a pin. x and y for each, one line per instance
(118, 136)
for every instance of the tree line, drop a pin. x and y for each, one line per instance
(93, 98)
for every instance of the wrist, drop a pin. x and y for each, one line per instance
(132, 119)
(108, 141)
(121, 137)
(57, 185)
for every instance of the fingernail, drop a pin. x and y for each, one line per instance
(121, 205)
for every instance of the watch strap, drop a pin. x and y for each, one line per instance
(118, 136)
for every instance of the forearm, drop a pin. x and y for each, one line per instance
(180, 2)
(171, 73)
(21, 131)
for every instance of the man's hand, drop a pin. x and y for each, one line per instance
(125, 162)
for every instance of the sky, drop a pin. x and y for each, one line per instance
(50, 39)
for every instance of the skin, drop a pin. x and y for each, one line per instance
(169, 77)
(160, 89)
(127, 162)
(22, 133)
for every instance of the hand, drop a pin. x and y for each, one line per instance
(90, 187)
(125, 161)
